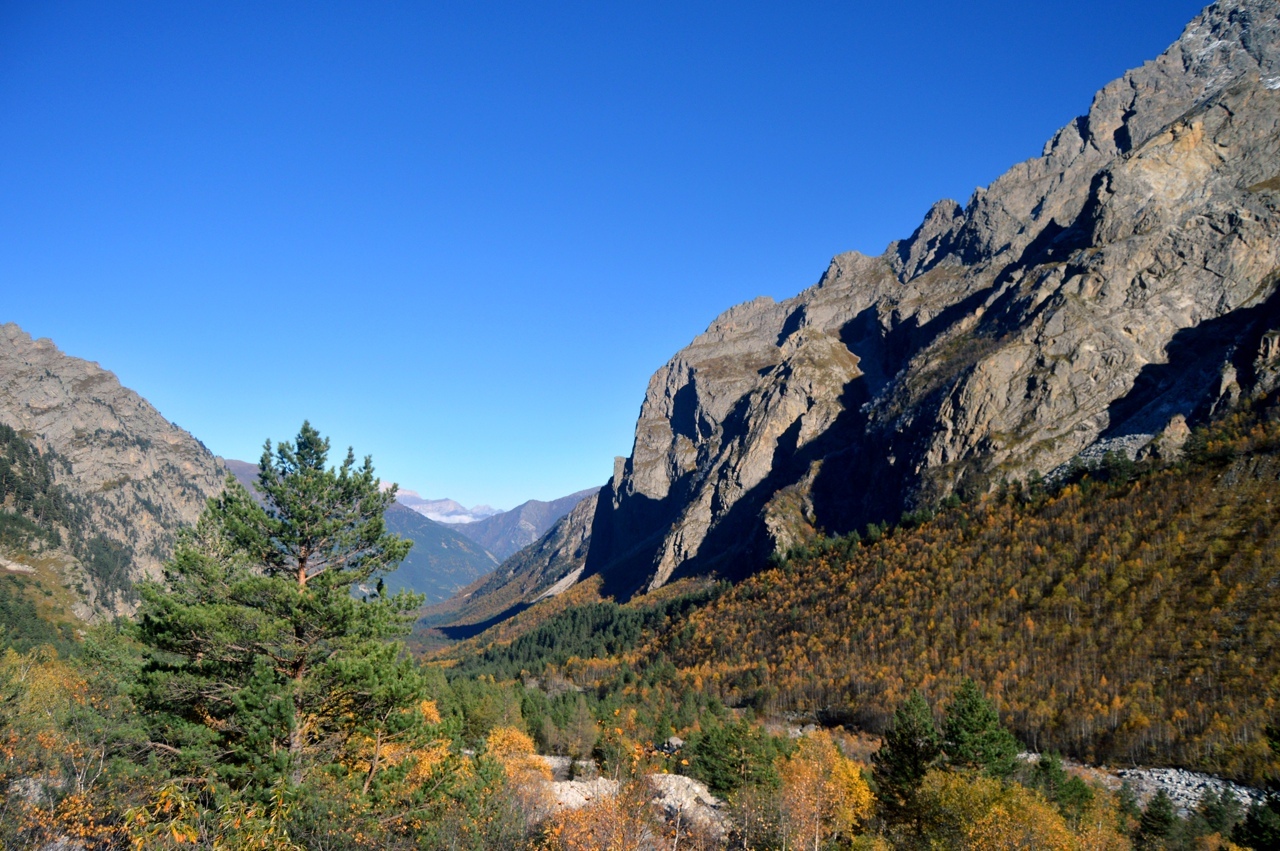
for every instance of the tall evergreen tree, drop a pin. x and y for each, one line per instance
(1220, 811)
(973, 737)
(1261, 825)
(729, 756)
(910, 747)
(1071, 795)
(261, 661)
(1159, 819)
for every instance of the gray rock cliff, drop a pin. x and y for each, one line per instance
(1120, 285)
(139, 477)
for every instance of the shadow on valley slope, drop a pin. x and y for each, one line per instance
(461, 632)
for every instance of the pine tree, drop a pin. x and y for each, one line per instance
(1261, 826)
(261, 662)
(729, 756)
(1220, 811)
(1071, 795)
(910, 747)
(1157, 823)
(973, 737)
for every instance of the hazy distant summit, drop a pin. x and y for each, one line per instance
(502, 533)
(507, 532)
(444, 510)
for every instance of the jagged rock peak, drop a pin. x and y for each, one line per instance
(1119, 287)
(1227, 43)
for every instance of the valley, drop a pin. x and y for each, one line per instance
(972, 544)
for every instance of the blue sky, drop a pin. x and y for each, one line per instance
(461, 236)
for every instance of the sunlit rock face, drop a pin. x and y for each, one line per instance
(139, 477)
(1119, 285)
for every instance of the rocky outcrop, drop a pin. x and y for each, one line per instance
(688, 804)
(683, 803)
(138, 477)
(1186, 788)
(1119, 287)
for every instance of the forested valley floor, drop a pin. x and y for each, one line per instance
(867, 691)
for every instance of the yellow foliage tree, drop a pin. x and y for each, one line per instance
(527, 777)
(968, 811)
(54, 749)
(823, 793)
(1098, 828)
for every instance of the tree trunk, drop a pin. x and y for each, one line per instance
(295, 755)
(295, 732)
(373, 762)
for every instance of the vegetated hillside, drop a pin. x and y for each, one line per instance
(33, 508)
(54, 557)
(507, 533)
(1086, 300)
(37, 517)
(136, 477)
(1116, 619)
(441, 562)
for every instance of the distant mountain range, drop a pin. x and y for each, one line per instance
(444, 510)
(441, 563)
(506, 533)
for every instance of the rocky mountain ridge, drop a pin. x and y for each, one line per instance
(138, 476)
(1099, 297)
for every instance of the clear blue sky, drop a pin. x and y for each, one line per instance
(460, 236)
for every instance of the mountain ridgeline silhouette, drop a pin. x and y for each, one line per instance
(1099, 297)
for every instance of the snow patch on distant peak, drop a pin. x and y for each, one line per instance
(444, 510)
